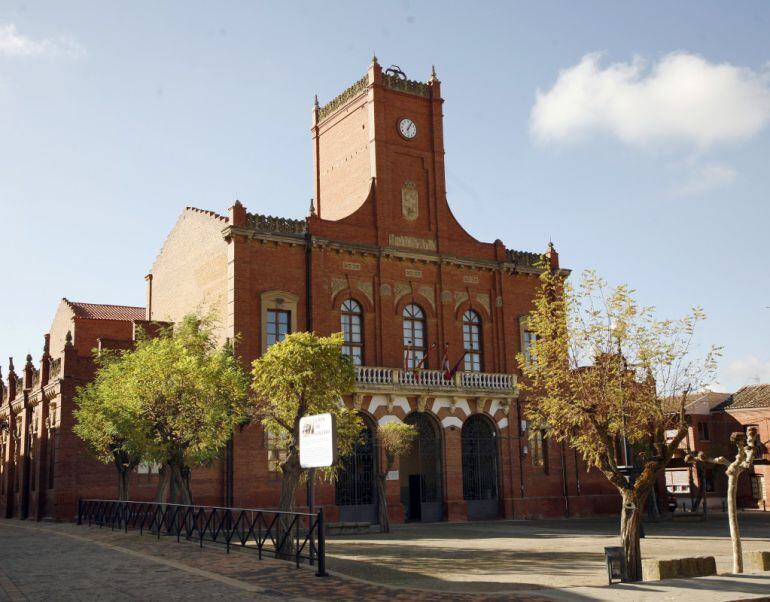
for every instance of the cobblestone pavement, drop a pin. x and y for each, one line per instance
(57, 561)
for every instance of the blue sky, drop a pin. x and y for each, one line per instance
(581, 122)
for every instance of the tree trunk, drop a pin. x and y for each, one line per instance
(123, 475)
(700, 495)
(382, 500)
(180, 486)
(164, 481)
(630, 524)
(291, 473)
(732, 513)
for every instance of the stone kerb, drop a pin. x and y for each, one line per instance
(655, 569)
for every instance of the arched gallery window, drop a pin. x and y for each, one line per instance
(414, 336)
(472, 341)
(352, 330)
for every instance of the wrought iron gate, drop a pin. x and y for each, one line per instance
(356, 493)
(429, 454)
(480, 468)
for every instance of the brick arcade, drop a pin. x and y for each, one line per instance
(382, 258)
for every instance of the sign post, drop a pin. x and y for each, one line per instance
(317, 449)
(317, 441)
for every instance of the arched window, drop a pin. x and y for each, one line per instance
(355, 491)
(414, 336)
(352, 331)
(472, 341)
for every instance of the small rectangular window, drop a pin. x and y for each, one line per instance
(529, 338)
(278, 321)
(703, 431)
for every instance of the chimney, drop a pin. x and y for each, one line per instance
(148, 310)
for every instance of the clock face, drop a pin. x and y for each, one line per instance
(407, 128)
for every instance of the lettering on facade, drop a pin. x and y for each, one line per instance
(412, 242)
(410, 207)
(471, 279)
(349, 265)
(413, 273)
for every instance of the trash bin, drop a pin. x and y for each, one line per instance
(616, 563)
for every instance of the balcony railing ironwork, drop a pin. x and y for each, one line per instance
(376, 376)
(294, 536)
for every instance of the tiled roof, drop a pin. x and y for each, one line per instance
(711, 398)
(101, 311)
(748, 398)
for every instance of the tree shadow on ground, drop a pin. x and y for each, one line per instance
(465, 570)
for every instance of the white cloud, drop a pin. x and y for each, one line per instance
(748, 371)
(681, 100)
(14, 44)
(703, 178)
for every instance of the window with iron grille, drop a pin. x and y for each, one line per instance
(538, 446)
(278, 321)
(479, 456)
(414, 337)
(352, 331)
(472, 341)
(758, 487)
(356, 480)
(428, 447)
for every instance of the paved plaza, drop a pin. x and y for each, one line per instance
(507, 560)
(506, 555)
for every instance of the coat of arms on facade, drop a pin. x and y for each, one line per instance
(409, 201)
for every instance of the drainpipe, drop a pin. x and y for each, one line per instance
(565, 490)
(577, 472)
(521, 461)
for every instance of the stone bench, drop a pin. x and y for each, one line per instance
(757, 561)
(654, 569)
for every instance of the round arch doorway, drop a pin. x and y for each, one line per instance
(420, 472)
(481, 487)
(356, 487)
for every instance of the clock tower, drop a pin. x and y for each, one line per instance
(379, 149)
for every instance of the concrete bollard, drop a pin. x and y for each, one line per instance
(757, 561)
(654, 569)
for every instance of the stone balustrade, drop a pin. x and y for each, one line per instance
(380, 378)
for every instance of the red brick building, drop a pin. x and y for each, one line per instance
(380, 257)
(713, 417)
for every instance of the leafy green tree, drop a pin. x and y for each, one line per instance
(174, 400)
(395, 439)
(601, 375)
(98, 425)
(302, 375)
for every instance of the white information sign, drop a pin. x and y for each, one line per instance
(317, 441)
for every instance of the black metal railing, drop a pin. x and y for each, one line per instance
(294, 536)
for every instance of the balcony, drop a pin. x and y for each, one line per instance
(371, 379)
